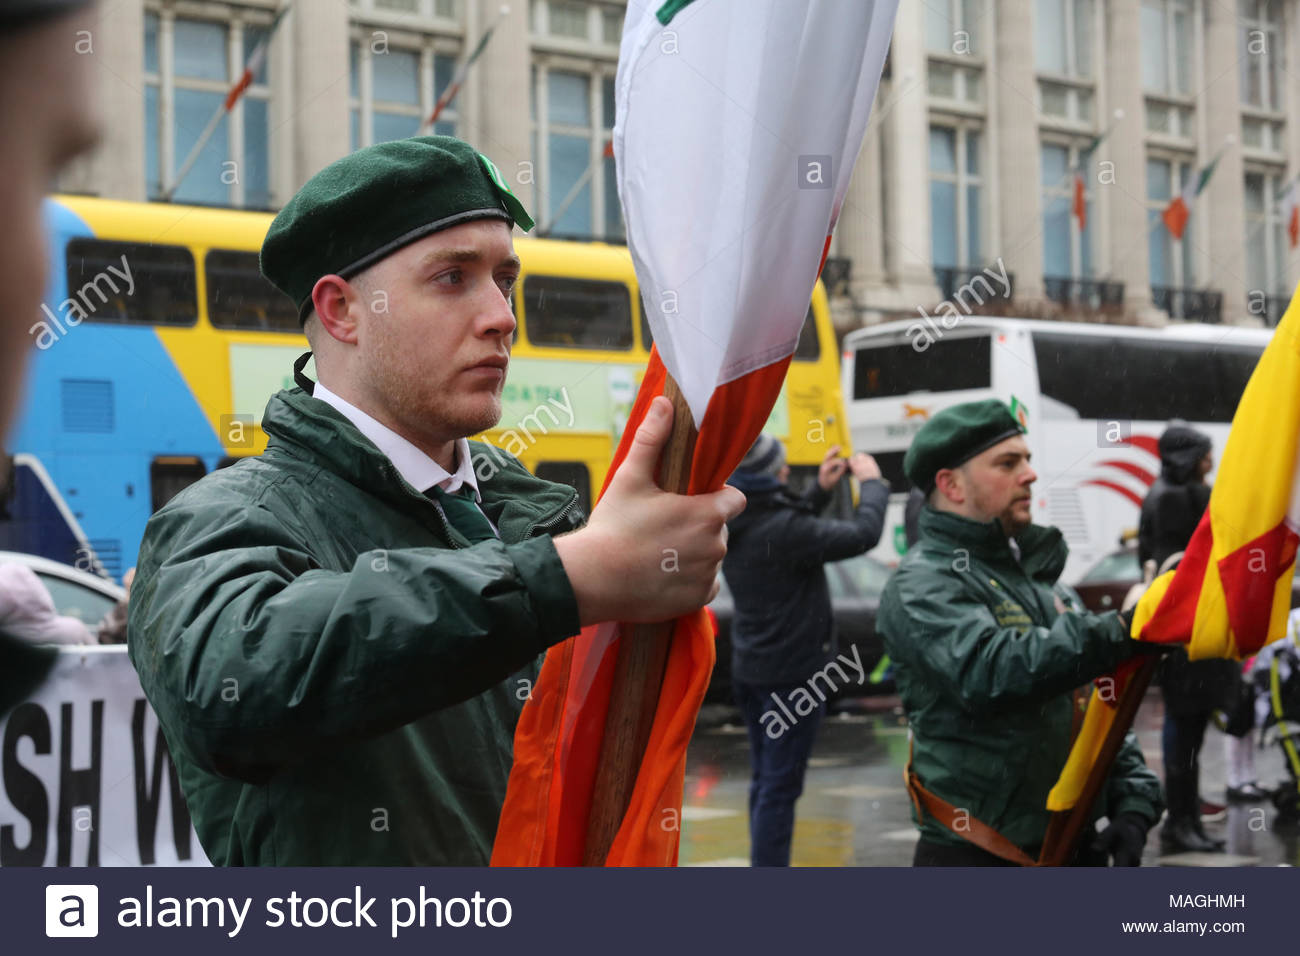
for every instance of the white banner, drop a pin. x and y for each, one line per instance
(85, 777)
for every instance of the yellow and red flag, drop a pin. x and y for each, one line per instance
(1231, 593)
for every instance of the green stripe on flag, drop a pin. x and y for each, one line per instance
(670, 9)
(1206, 173)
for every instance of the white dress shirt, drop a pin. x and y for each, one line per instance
(418, 470)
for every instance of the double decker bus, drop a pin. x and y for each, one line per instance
(159, 343)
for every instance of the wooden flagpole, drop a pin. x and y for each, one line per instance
(1065, 828)
(639, 670)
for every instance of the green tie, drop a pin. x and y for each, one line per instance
(463, 514)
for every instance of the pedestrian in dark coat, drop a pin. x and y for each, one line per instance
(1192, 690)
(783, 658)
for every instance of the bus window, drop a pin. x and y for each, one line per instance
(577, 313)
(1122, 378)
(947, 365)
(240, 297)
(809, 348)
(161, 279)
(647, 337)
(571, 473)
(170, 475)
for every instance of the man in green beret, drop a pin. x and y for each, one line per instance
(988, 648)
(338, 636)
(46, 120)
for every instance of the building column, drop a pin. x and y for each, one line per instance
(115, 46)
(1222, 206)
(1291, 54)
(1125, 193)
(906, 164)
(500, 119)
(859, 237)
(1016, 159)
(316, 47)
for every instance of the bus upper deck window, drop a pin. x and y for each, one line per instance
(577, 313)
(240, 297)
(954, 363)
(571, 473)
(809, 348)
(135, 283)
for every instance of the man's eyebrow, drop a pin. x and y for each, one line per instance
(461, 256)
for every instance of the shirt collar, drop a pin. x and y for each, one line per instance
(418, 470)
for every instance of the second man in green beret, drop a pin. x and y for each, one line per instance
(988, 646)
(338, 636)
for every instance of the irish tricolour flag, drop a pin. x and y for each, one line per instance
(737, 126)
(1179, 210)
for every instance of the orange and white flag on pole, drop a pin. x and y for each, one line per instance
(737, 126)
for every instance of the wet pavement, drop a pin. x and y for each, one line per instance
(855, 812)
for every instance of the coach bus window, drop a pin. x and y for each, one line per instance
(577, 313)
(170, 475)
(1139, 379)
(571, 473)
(133, 283)
(240, 297)
(946, 365)
(809, 348)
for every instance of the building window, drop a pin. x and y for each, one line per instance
(394, 87)
(189, 67)
(406, 9)
(1261, 54)
(955, 33)
(1266, 240)
(1067, 250)
(1063, 54)
(573, 122)
(956, 223)
(1172, 261)
(1168, 48)
(586, 22)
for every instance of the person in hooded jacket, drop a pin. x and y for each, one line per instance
(1192, 690)
(782, 634)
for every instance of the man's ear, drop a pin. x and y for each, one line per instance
(337, 306)
(949, 484)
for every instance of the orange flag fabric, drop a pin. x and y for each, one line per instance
(557, 742)
(1231, 593)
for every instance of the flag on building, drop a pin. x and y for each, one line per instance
(1080, 200)
(1179, 209)
(1231, 593)
(1291, 213)
(462, 70)
(256, 61)
(734, 147)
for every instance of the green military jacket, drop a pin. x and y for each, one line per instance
(337, 672)
(986, 664)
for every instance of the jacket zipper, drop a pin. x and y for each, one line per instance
(553, 520)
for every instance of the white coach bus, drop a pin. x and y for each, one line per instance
(1094, 398)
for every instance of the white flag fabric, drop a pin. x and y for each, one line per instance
(737, 126)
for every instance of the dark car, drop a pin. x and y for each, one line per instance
(1104, 586)
(856, 585)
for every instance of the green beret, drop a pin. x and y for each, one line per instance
(373, 202)
(955, 436)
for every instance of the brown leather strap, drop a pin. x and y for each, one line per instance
(946, 815)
